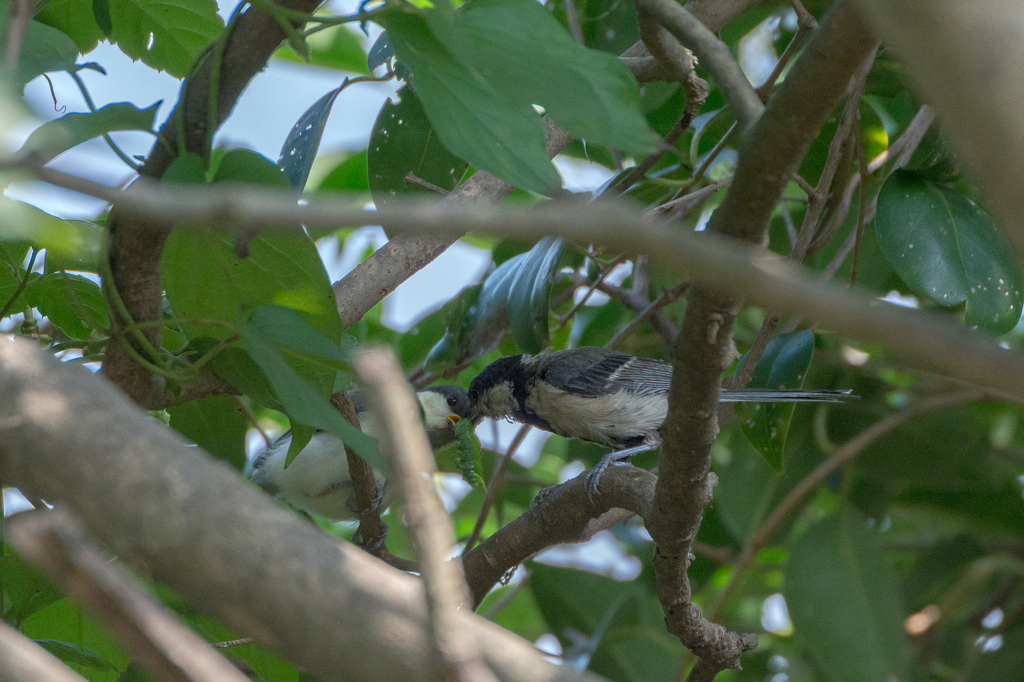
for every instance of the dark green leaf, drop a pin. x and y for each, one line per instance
(381, 52)
(618, 626)
(165, 34)
(783, 365)
(216, 425)
(1004, 663)
(44, 49)
(747, 487)
(77, 18)
(57, 136)
(70, 653)
(589, 93)
(101, 13)
(529, 292)
(948, 250)
(403, 142)
(274, 333)
(26, 590)
(475, 122)
(339, 48)
(844, 604)
(348, 176)
(73, 303)
(301, 145)
(236, 367)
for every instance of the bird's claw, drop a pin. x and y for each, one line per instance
(594, 477)
(374, 503)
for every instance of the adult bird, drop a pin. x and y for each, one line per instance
(318, 481)
(598, 395)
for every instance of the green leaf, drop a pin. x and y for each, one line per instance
(380, 52)
(165, 34)
(64, 621)
(783, 365)
(274, 333)
(475, 122)
(339, 48)
(71, 302)
(529, 292)
(44, 49)
(403, 142)
(236, 367)
(518, 290)
(618, 626)
(77, 18)
(70, 653)
(844, 604)
(101, 13)
(216, 425)
(68, 240)
(589, 93)
(348, 176)
(948, 250)
(26, 590)
(303, 141)
(60, 135)
(204, 279)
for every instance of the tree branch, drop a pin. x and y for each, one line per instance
(73, 439)
(559, 514)
(58, 545)
(768, 155)
(920, 338)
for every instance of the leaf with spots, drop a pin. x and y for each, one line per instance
(403, 141)
(783, 365)
(949, 251)
(301, 145)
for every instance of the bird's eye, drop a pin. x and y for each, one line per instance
(474, 395)
(452, 401)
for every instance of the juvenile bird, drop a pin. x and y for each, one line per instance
(599, 395)
(318, 480)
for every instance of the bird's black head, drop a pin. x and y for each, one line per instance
(499, 391)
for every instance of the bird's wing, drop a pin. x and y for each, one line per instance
(593, 372)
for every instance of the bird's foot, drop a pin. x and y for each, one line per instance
(374, 504)
(616, 457)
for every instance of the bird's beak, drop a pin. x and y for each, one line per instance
(454, 419)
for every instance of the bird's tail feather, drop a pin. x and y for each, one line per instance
(785, 395)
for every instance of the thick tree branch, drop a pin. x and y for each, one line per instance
(768, 155)
(919, 338)
(74, 439)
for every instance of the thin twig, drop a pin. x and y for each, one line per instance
(494, 484)
(411, 179)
